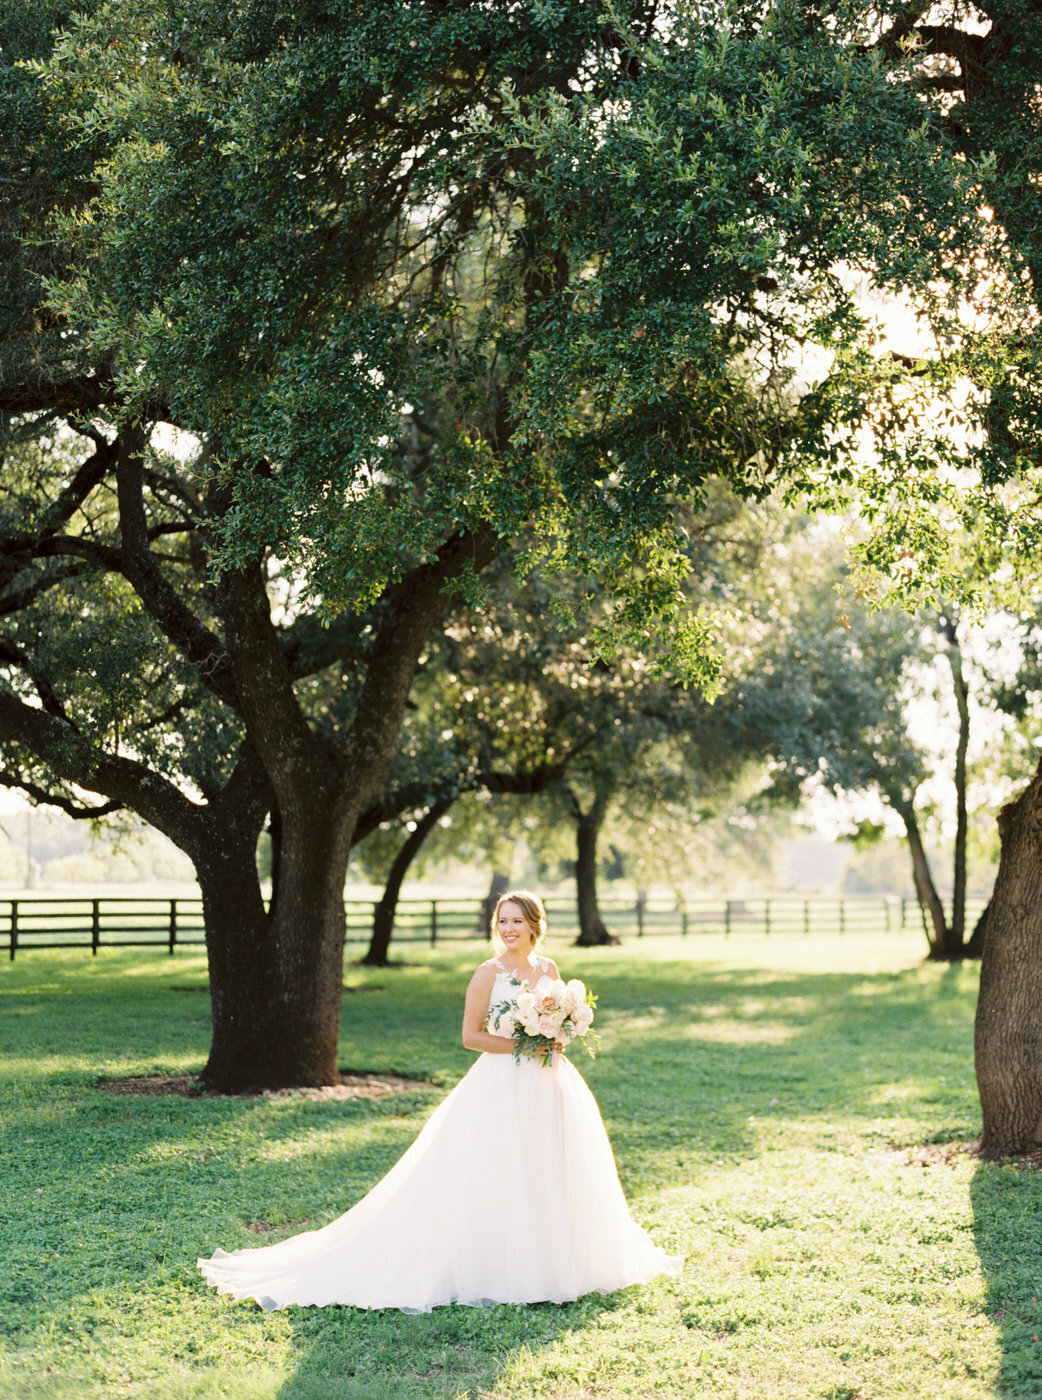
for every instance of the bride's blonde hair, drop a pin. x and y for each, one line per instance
(531, 907)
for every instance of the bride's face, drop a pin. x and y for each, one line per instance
(514, 929)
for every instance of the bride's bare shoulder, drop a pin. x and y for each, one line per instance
(485, 972)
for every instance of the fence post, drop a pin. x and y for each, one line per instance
(434, 922)
(806, 917)
(842, 916)
(767, 918)
(173, 926)
(727, 918)
(14, 927)
(95, 926)
(683, 923)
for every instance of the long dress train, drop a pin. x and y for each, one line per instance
(509, 1195)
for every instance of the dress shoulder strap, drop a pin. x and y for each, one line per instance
(544, 963)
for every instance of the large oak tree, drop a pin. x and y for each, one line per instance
(310, 308)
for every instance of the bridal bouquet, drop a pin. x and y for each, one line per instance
(555, 1013)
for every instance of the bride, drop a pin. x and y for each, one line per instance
(508, 1195)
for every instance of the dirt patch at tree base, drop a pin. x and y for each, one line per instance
(354, 1084)
(928, 1154)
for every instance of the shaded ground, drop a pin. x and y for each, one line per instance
(354, 1084)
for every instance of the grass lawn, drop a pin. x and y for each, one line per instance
(791, 1114)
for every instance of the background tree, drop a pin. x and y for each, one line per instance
(515, 700)
(837, 697)
(969, 467)
(519, 696)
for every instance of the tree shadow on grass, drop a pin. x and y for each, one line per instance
(1007, 1227)
(748, 1049)
(349, 1354)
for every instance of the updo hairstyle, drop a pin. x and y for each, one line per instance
(531, 907)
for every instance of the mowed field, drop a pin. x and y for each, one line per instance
(795, 1115)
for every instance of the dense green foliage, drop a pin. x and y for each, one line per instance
(952, 493)
(411, 269)
(408, 274)
(800, 1135)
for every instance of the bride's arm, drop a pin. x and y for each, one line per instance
(475, 1009)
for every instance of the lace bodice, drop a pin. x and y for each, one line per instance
(508, 986)
(507, 979)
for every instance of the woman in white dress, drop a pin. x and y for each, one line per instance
(508, 1195)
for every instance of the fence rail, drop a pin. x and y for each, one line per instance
(126, 922)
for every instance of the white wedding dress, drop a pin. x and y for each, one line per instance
(508, 1195)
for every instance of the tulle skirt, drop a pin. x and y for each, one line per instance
(508, 1195)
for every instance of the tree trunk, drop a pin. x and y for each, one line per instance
(498, 885)
(957, 931)
(275, 993)
(320, 790)
(383, 914)
(975, 947)
(1008, 1035)
(592, 930)
(925, 889)
(938, 934)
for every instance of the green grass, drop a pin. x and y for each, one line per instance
(783, 1113)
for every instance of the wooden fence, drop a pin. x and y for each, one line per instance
(128, 922)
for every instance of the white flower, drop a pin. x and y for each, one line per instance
(575, 995)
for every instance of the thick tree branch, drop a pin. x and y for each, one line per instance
(890, 42)
(967, 49)
(24, 548)
(83, 482)
(54, 799)
(166, 608)
(274, 719)
(17, 550)
(171, 527)
(75, 759)
(523, 783)
(413, 796)
(22, 597)
(409, 798)
(82, 395)
(415, 605)
(13, 655)
(247, 797)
